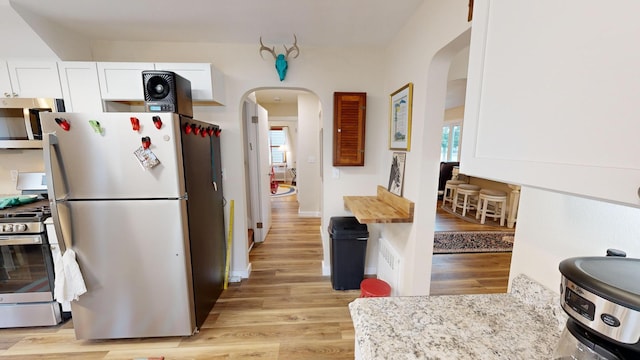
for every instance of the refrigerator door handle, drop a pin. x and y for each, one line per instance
(50, 149)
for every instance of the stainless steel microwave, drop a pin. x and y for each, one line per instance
(20, 121)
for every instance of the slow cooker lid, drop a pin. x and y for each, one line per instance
(616, 279)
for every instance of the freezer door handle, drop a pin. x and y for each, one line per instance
(50, 150)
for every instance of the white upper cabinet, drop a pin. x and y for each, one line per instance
(122, 80)
(5, 80)
(85, 85)
(551, 97)
(207, 83)
(80, 86)
(30, 79)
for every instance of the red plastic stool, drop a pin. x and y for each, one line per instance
(374, 288)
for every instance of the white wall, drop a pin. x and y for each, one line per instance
(67, 45)
(416, 56)
(553, 227)
(308, 164)
(550, 226)
(323, 71)
(18, 39)
(21, 160)
(459, 65)
(319, 70)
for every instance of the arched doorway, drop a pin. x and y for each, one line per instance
(299, 111)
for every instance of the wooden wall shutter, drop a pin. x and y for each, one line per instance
(349, 113)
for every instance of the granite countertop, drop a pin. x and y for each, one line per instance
(523, 324)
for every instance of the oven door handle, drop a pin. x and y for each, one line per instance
(20, 240)
(51, 149)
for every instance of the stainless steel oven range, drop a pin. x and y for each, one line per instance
(26, 267)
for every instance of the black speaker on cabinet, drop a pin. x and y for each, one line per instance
(166, 91)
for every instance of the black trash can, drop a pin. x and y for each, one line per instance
(348, 252)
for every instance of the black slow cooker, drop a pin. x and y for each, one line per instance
(601, 295)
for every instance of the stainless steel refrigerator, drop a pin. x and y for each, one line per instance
(138, 196)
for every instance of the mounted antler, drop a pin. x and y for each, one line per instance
(281, 59)
(271, 50)
(292, 48)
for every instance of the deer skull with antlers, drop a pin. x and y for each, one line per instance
(281, 59)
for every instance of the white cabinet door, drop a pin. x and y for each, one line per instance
(121, 80)
(5, 81)
(34, 79)
(80, 86)
(551, 97)
(207, 83)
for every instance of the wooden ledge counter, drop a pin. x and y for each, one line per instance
(383, 208)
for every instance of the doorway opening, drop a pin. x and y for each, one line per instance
(282, 147)
(470, 254)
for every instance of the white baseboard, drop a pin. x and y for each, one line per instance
(313, 214)
(370, 270)
(326, 269)
(242, 274)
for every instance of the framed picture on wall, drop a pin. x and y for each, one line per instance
(400, 107)
(396, 177)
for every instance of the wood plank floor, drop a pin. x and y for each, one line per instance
(453, 274)
(446, 221)
(286, 310)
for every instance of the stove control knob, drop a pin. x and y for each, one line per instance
(8, 228)
(20, 227)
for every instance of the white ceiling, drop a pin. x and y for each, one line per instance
(315, 22)
(278, 96)
(456, 93)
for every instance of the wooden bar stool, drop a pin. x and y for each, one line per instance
(491, 203)
(469, 194)
(450, 191)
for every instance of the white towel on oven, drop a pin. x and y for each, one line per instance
(69, 283)
(58, 285)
